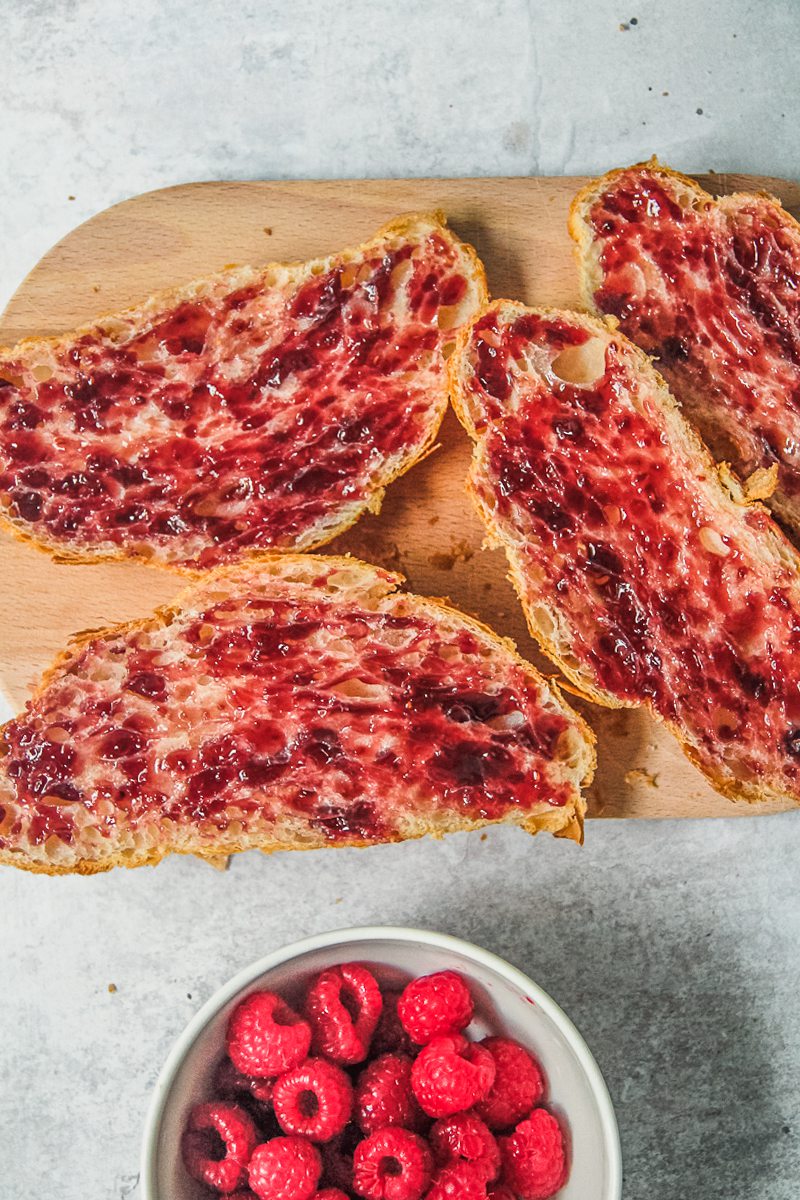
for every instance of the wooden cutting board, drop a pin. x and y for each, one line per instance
(427, 529)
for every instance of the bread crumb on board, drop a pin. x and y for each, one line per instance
(458, 552)
(639, 775)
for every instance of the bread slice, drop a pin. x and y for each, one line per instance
(712, 288)
(643, 571)
(259, 408)
(284, 703)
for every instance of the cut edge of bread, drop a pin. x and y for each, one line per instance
(324, 530)
(545, 623)
(370, 584)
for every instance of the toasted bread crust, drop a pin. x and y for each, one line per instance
(563, 822)
(240, 276)
(717, 477)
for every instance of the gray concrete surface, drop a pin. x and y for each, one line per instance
(674, 946)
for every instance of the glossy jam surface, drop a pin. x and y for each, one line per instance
(714, 292)
(273, 705)
(658, 581)
(252, 416)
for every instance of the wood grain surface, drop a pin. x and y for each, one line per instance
(426, 529)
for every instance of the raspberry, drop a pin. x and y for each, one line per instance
(384, 1095)
(330, 1194)
(232, 1084)
(450, 1075)
(534, 1165)
(265, 1037)
(343, 1006)
(459, 1181)
(435, 1005)
(392, 1164)
(217, 1144)
(390, 1037)
(518, 1084)
(313, 1100)
(464, 1137)
(287, 1168)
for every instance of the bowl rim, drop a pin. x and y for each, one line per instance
(366, 933)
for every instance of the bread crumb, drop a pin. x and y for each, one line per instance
(638, 775)
(95, 287)
(484, 836)
(112, 987)
(70, 197)
(762, 483)
(624, 28)
(459, 552)
(268, 230)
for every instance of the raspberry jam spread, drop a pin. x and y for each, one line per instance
(274, 711)
(668, 593)
(713, 290)
(263, 410)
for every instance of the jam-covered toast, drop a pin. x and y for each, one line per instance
(643, 570)
(284, 702)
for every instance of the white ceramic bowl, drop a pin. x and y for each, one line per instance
(506, 1001)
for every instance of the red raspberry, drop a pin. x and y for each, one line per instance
(231, 1084)
(458, 1181)
(265, 1037)
(392, 1164)
(518, 1084)
(217, 1144)
(464, 1137)
(450, 1075)
(390, 1037)
(330, 1194)
(314, 1100)
(343, 1006)
(287, 1168)
(435, 1005)
(534, 1164)
(384, 1095)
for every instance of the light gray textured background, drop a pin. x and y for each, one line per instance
(674, 946)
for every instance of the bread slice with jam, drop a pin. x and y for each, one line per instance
(262, 408)
(287, 702)
(644, 572)
(711, 288)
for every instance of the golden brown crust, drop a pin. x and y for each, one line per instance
(158, 301)
(566, 822)
(716, 477)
